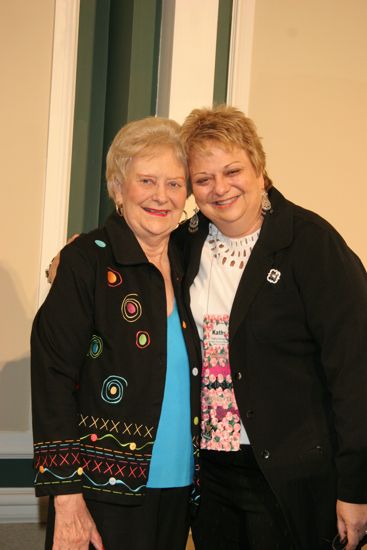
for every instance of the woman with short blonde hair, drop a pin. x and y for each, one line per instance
(280, 304)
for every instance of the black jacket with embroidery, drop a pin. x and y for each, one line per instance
(99, 366)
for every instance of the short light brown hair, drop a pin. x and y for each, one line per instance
(227, 126)
(141, 137)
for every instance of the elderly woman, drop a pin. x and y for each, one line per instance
(280, 304)
(111, 361)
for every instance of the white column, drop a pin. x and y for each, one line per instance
(187, 57)
(60, 137)
(239, 70)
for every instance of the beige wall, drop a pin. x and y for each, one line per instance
(308, 98)
(26, 31)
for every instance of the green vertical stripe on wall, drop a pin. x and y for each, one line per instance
(90, 98)
(144, 58)
(222, 51)
(155, 64)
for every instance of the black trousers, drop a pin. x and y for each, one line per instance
(160, 523)
(238, 510)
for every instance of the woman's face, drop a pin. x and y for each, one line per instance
(153, 195)
(227, 189)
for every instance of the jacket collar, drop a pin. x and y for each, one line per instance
(277, 229)
(126, 248)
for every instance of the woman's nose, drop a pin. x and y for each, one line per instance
(160, 193)
(221, 185)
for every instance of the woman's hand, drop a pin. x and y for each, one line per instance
(52, 268)
(74, 526)
(352, 522)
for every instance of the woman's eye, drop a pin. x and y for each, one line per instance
(201, 181)
(174, 184)
(233, 172)
(146, 181)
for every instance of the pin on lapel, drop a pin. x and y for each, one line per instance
(273, 276)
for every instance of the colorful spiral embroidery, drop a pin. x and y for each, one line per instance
(114, 278)
(113, 389)
(142, 339)
(95, 347)
(131, 309)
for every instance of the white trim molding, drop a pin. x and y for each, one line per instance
(20, 505)
(16, 444)
(60, 134)
(240, 57)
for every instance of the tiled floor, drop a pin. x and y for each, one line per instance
(18, 536)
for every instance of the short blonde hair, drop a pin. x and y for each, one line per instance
(140, 137)
(228, 126)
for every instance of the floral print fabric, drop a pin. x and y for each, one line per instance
(220, 425)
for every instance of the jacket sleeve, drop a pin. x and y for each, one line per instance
(333, 286)
(59, 344)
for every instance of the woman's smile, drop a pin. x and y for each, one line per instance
(155, 212)
(225, 203)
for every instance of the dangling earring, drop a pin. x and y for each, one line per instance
(119, 210)
(194, 222)
(185, 218)
(265, 204)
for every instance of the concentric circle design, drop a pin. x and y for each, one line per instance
(113, 389)
(114, 278)
(131, 309)
(142, 339)
(95, 347)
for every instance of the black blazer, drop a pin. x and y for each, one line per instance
(99, 367)
(298, 354)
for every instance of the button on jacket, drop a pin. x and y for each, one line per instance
(99, 367)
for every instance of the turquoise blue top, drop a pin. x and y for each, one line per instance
(172, 463)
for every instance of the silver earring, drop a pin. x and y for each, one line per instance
(119, 210)
(265, 204)
(194, 222)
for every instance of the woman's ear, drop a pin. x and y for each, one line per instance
(117, 188)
